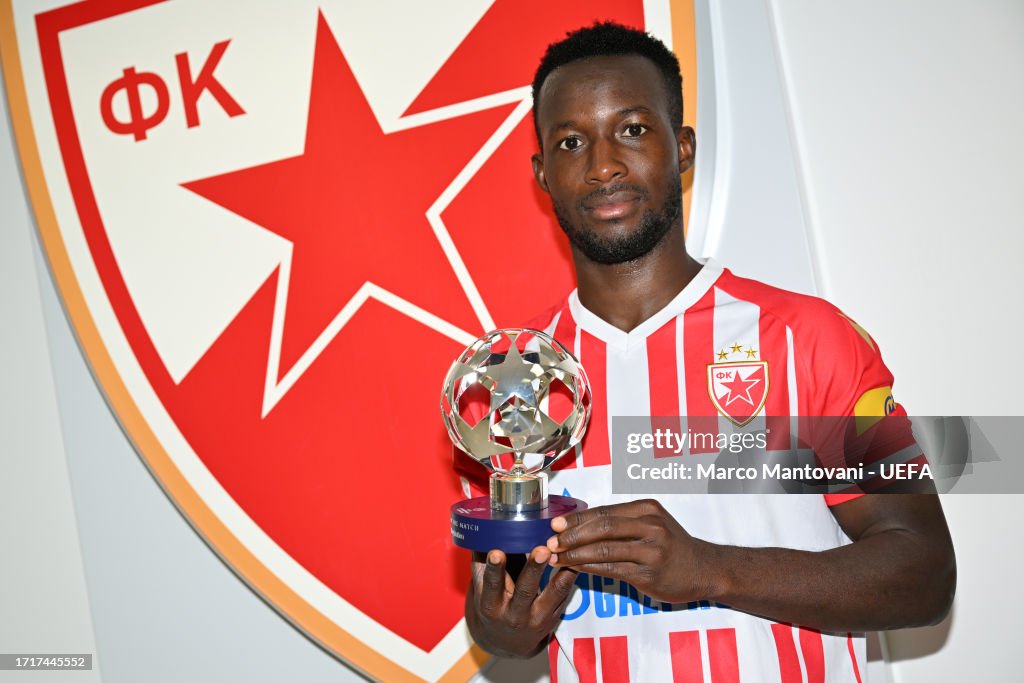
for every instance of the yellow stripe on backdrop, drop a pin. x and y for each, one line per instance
(685, 46)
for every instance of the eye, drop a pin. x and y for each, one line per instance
(570, 143)
(634, 130)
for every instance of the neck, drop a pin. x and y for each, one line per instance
(627, 294)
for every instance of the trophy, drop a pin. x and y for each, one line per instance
(516, 400)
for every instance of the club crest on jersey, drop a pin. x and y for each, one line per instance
(738, 388)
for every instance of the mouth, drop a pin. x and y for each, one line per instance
(611, 206)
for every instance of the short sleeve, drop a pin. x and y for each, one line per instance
(853, 417)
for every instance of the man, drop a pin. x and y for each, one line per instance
(744, 587)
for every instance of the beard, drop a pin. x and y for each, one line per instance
(653, 227)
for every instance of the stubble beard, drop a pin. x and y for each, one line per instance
(653, 227)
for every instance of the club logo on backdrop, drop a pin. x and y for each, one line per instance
(738, 388)
(273, 231)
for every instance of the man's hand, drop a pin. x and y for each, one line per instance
(899, 571)
(514, 618)
(639, 543)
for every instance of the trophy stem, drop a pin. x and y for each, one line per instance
(519, 492)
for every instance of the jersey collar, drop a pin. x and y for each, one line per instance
(613, 336)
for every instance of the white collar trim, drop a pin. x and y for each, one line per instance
(688, 296)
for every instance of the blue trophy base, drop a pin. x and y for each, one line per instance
(478, 527)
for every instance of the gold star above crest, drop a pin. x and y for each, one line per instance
(751, 352)
(736, 348)
(723, 354)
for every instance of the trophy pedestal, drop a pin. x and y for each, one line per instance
(477, 526)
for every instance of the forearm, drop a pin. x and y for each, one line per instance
(893, 579)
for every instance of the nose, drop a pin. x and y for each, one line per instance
(605, 163)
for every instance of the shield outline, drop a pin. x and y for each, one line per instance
(214, 532)
(714, 399)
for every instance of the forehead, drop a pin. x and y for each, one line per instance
(588, 86)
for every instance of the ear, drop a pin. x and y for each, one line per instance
(538, 171)
(687, 148)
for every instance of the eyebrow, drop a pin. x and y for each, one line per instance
(622, 113)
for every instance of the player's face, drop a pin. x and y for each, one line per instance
(610, 158)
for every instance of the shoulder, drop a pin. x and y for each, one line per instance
(802, 313)
(837, 363)
(814, 322)
(548, 319)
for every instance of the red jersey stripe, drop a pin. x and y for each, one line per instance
(853, 656)
(614, 660)
(685, 653)
(722, 656)
(663, 381)
(593, 357)
(565, 334)
(774, 350)
(814, 655)
(585, 659)
(698, 325)
(553, 659)
(789, 665)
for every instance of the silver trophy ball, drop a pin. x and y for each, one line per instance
(516, 400)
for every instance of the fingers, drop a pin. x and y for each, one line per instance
(528, 585)
(633, 508)
(604, 552)
(630, 572)
(555, 595)
(599, 528)
(491, 587)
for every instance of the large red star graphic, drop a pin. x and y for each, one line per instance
(739, 388)
(353, 204)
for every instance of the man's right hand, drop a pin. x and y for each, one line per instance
(514, 618)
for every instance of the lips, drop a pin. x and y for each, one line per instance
(611, 206)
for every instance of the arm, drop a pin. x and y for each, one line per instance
(898, 572)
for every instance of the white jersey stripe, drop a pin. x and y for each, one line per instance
(681, 370)
(794, 402)
(737, 332)
(550, 329)
(705, 656)
(799, 652)
(628, 391)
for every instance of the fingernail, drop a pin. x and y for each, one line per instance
(493, 558)
(541, 556)
(552, 543)
(559, 524)
(554, 560)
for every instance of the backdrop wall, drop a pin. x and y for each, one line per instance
(861, 153)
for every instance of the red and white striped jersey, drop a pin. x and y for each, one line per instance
(813, 361)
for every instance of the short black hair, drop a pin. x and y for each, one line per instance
(605, 39)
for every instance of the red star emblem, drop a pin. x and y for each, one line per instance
(373, 290)
(739, 388)
(354, 206)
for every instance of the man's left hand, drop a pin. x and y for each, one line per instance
(639, 543)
